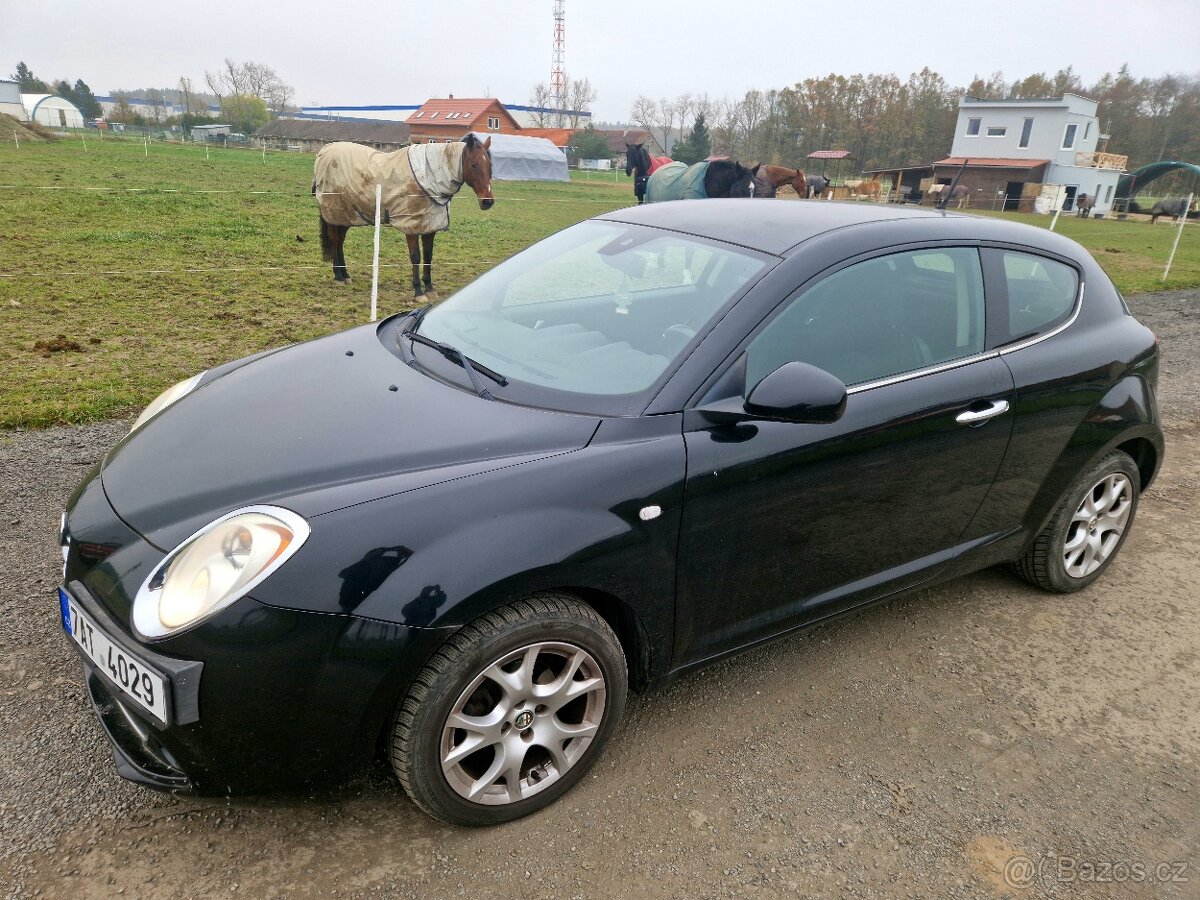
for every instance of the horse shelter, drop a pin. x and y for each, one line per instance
(517, 158)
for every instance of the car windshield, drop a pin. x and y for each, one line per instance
(600, 310)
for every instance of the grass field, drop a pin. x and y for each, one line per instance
(157, 266)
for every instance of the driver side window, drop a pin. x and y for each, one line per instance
(879, 318)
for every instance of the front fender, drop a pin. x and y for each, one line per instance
(440, 556)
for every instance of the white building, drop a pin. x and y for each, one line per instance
(52, 111)
(1032, 148)
(10, 100)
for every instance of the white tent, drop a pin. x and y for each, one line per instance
(516, 158)
(52, 111)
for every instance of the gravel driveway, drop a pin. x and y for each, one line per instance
(916, 749)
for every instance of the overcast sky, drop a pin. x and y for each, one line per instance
(354, 52)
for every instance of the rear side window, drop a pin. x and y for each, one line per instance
(1041, 293)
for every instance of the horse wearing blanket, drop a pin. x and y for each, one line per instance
(715, 178)
(418, 183)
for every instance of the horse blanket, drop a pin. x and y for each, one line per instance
(657, 162)
(677, 181)
(418, 183)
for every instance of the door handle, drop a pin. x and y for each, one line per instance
(976, 416)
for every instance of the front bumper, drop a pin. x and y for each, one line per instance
(268, 698)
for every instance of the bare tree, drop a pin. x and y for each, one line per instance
(541, 99)
(580, 97)
(250, 79)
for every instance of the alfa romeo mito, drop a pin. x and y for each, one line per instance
(457, 538)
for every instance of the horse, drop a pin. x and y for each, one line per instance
(817, 185)
(418, 182)
(1083, 205)
(771, 178)
(641, 165)
(718, 178)
(871, 190)
(1174, 207)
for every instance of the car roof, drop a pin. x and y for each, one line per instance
(780, 226)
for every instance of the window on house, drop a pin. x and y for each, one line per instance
(997, 131)
(494, 123)
(451, 115)
(1069, 136)
(1108, 194)
(973, 126)
(1087, 129)
(433, 115)
(1026, 131)
(418, 115)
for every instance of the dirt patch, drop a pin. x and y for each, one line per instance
(59, 344)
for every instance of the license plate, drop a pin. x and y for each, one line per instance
(136, 679)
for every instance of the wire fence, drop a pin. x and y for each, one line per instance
(843, 188)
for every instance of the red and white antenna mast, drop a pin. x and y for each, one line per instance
(558, 74)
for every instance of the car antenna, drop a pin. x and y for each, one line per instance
(946, 199)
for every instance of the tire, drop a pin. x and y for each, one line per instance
(1059, 559)
(540, 684)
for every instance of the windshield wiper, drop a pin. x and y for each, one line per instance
(474, 369)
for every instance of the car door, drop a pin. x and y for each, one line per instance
(785, 522)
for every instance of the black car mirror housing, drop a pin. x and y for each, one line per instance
(798, 392)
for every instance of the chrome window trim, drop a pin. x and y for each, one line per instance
(978, 357)
(928, 370)
(1037, 339)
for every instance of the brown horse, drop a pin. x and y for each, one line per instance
(770, 178)
(417, 183)
(869, 190)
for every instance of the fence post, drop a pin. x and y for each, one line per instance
(83, 134)
(1178, 234)
(146, 144)
(375, 257)
(1054, 221)
(16, 136)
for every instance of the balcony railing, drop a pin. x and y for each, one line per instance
(1102, 160)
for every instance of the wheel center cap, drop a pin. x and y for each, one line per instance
(523, 720)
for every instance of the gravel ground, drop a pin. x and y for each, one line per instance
(913, 750)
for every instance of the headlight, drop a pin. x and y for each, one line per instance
(165, 399)
(217, 565)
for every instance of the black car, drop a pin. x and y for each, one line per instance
(459, 536)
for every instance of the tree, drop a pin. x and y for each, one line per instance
(63, 89)
(588, 143)
(696, 146)
(30, 83)
(235, 81)
(121, 111)
(246, 114)
(580, 97)
(540, 99)
(86, 100)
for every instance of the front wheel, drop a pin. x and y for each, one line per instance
(1088, 528)
(511, 712)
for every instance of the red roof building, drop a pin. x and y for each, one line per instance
(559, 137)
(450, 119)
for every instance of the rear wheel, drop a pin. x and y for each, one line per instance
(511, 712)
(1088, 528)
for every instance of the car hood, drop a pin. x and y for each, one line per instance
(317, 427)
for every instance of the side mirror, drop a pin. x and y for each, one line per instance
(798, 392)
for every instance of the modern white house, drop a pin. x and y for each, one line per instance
(52, 111)
(1031, 149)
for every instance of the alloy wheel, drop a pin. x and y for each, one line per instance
(1096, 527)
(522, 723)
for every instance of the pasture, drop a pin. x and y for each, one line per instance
(154, 266)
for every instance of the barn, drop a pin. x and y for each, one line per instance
(311, 135)
(52, 111)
